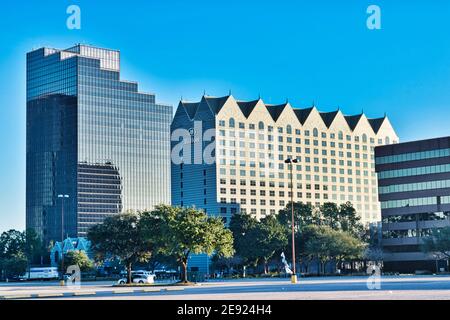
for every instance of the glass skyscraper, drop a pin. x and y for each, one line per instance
(93, 137)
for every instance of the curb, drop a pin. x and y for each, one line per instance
(25, 296)
(87, 293)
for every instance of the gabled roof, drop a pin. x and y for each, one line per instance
(216, 103)
(353, 120)
(247, 106)
(328, 117)
(303, 114)
(376, 123)
(190, 107)
(275, 110)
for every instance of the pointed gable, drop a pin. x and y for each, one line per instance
(275, 110)
(288, 117)
(339, 123)
(231, 109)
(328, 117)
(314, 120)
(260, 113)
(303, 114)
(362, 126)
(376, 123)
(191, 108)
(353, 120)
(387, 131)
(216, 103)
(247, 107)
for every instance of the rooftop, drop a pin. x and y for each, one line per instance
(247, 107)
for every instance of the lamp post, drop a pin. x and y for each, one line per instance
(291, 162)
(62, 197)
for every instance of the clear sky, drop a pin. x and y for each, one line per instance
(306, 51)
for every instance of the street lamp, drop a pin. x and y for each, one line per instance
(291, 162)
(62, 197)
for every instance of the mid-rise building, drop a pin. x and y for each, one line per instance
(92, 138)
(335, 156)
(228, 156)
(414, 189)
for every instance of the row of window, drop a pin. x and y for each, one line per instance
(409, 233)
(281, 175)
(289, 130)
(307, 168)
(282, 203)
(443, 168)
(415, 202)
(237, 156)
(414, 156)
(418, 186)
(288, 139)
(424, 216)
(282, 193)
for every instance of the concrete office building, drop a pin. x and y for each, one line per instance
(92, 137)
(414, 189)
(252, 140)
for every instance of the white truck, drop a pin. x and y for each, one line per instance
(45, 273)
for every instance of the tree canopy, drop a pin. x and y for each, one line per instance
(121, 236)
(78, 258)
(185, 231)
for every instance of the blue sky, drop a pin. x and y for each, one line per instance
(302, 50)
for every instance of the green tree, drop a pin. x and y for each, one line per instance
(327, 244)
(303, 215)
(350, 221)
(13, 261)
(438, 244)
(330, 215)
(245, 234)
(120, 236)
(13, 266)
(78, 258)
(12, 243)
(345, 247)
(188, 231)
(271, 238)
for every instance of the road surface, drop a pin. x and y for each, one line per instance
(342, 288)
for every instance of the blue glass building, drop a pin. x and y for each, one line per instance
(93, 137)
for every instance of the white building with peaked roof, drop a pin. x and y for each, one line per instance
(335, 154)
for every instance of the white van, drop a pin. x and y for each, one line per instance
(46, 273)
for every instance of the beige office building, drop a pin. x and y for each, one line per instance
(335, 156)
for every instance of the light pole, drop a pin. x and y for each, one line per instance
(291, 162)
(62, 197)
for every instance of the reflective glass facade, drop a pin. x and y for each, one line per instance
(414, 191)
(93, 137)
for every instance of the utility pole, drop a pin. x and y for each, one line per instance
(62, 197)
(291, 162)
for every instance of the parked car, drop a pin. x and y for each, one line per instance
(139, 278)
